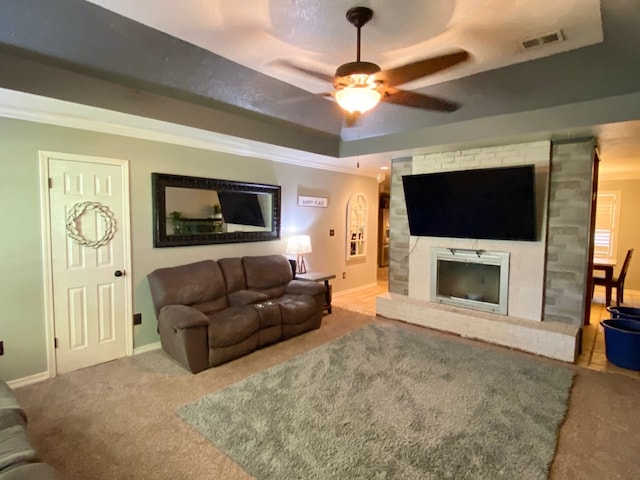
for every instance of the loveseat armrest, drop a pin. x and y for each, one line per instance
(301, 287)
(246, 297)
(183, 336)
(182, 316)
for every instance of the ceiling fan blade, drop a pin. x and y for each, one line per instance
(422, 68)
(418, 100)
(303, 98)
(307, 71)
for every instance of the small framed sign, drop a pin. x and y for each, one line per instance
(313, 201)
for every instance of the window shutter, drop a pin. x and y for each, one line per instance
(606, 224)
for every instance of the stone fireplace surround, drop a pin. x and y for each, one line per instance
(522, 327)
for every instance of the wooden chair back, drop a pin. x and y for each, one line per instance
(625, 267)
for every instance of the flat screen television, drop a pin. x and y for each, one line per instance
(490, 203)
(241, 208)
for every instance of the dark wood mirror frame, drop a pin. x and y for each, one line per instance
(161, 238)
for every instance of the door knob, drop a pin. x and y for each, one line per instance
(119, 273)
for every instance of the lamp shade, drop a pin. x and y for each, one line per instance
(299, 244)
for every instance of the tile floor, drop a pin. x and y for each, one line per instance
(593, 351)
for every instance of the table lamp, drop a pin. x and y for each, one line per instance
(298, 245)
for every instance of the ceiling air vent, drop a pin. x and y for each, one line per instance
(541, 40)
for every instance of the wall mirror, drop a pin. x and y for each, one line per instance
(201, 211)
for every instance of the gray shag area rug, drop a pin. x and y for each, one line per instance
(391, 402)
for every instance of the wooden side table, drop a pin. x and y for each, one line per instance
(319, 277)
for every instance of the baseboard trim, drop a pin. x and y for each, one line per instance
(30, 380)
(147, 348)
(352, 290)
(40, 377)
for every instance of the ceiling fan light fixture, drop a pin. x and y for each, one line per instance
(358, 99)
(360, 95)
(360, 86)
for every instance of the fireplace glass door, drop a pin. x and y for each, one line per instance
(469, 281)
(476, 279)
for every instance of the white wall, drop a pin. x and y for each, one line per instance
(629, 227)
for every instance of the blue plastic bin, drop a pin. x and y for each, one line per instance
(624, 312)
(622, 342)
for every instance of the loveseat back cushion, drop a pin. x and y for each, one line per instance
(192, 284)
(269, 274)
(233, 273)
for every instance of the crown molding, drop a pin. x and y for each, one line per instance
(35, 108)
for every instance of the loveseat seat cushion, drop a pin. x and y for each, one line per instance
(232, 325)
(267, 273)
(191, 284)
(296, 308)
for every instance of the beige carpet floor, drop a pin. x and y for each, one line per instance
(118, 421)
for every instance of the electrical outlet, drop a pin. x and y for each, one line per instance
(137, 319)
(332, 232)
(344, 275)
(1, 348)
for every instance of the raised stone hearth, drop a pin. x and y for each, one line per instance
(548, 339)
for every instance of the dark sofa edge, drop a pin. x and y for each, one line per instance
(19, 459)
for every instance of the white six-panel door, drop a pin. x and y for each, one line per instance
(90, 287)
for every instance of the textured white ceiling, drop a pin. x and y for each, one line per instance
(619, 149)
(315, 34)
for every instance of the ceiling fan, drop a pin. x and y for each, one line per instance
(360, 86)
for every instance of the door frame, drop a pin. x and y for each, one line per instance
(47, 253)
(595, 170)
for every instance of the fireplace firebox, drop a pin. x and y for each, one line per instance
(474, 279)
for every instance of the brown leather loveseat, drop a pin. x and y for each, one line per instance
(211, 312)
